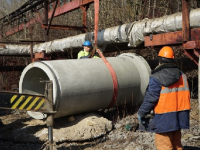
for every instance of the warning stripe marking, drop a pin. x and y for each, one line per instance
(26, 102)
(30, 102)
(13, 98)
(18, 101)
(40, 104)
(33, 103)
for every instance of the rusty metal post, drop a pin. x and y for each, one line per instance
(51, 17)
(96, 20)
(84, 17)
(185, 21)
(50, 117)
(46, 37)
(31, 50)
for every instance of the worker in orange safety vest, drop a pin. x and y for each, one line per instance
(168, 96)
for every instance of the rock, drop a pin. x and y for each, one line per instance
(118, 125)
(186, 136)
(85, 127)
(70, 119)
(195, 138)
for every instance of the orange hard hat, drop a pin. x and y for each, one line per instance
(166, 52)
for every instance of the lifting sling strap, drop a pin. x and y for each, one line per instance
(112, 72)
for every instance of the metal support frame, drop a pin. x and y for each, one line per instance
(21, 41)
(11, 68)
(21, 26)
(188, 45)
(46, 37)
(20, 12)
(2, 46)
(96, 12)
(75, 4)
(191, 55)
(51, 19)
(63, 27)
(171, 38)
(185, 21)
(84, 17)
(50, 116)
(96, 20)
(41, 56)
(192, 45)
(188, 38)
(70, 6)
(31, 50)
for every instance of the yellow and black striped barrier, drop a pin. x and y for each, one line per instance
(10, 100)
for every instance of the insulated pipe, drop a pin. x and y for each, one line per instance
(83, 85)
(132, 33)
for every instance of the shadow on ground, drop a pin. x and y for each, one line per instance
(190, 148)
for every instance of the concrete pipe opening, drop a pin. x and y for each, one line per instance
(86, 84)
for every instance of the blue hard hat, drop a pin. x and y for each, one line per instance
(87, 43)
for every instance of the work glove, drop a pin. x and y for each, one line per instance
(141, 120)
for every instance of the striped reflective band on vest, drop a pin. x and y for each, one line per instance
(176, 89)
(174, 98)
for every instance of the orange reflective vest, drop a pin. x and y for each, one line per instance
(174, 98)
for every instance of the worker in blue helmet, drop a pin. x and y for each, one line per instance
(85, 53)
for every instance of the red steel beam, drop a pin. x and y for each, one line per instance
(22, 26)
(11, 68)
(84, 16)
(96, 20)
(197, 52)
(191, 45)
(51, 19)
(22, 41)
(69, 7)
(59, 11)
(185, 21)
(2, 46)
(170, 38)
(62, 27)
(41, 56)
(191, 55)
(45, 21)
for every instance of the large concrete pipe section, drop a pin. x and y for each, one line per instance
(84, 85)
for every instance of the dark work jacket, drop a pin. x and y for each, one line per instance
(163, 75)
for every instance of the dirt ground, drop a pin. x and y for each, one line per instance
(17, 133)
